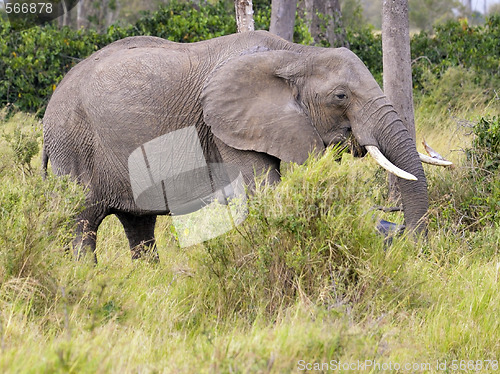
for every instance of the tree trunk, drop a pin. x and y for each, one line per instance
(397, 69)
(113, 12)
(244, 15)
(63, 20)
(283, 18)
(469, 6)
(324, 19)
(81, 19)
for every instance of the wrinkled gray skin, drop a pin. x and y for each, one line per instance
(254, 98)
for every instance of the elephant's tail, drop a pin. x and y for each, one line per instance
(45, 162)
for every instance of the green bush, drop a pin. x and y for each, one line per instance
(456, 44)
(23, 140)
(36, 219)
(301, 240)
(36, 59)
(486, 144)
(467, 199)
(186, 22)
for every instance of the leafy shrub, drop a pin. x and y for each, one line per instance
(36, 217)
(486, 144)
(35, 60)
(472, 203)
(23, 140)
(186, 22)
(456, 43)
(305, 238)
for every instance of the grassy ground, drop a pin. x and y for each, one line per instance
(305, 283)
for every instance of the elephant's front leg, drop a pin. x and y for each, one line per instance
(140, 231)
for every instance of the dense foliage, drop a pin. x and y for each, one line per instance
(35, 60)
(184, 22)
(466, 202)
(483, 156)
(486, 144)
(457, 44)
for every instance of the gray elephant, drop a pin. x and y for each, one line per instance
(253, 99)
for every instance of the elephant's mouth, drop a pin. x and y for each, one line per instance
(355, 148)
(348, 142)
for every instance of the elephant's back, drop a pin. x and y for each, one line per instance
(112, 103)
(137, 41)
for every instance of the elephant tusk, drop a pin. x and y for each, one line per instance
(434, 161)
(387, 165)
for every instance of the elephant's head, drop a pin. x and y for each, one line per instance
(288, 104)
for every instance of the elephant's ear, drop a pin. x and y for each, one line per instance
(250, 105)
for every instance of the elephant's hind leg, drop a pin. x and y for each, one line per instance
(140, 231)
(87, 224)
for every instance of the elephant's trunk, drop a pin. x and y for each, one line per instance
(398, 146)
(394, 141)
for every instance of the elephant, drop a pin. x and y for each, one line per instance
(253, 99)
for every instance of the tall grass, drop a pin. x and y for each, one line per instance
(305, 277)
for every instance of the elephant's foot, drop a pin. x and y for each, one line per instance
(146, 251)
(84, 252)
(140, 231)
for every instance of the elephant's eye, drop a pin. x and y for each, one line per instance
(339, 96)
